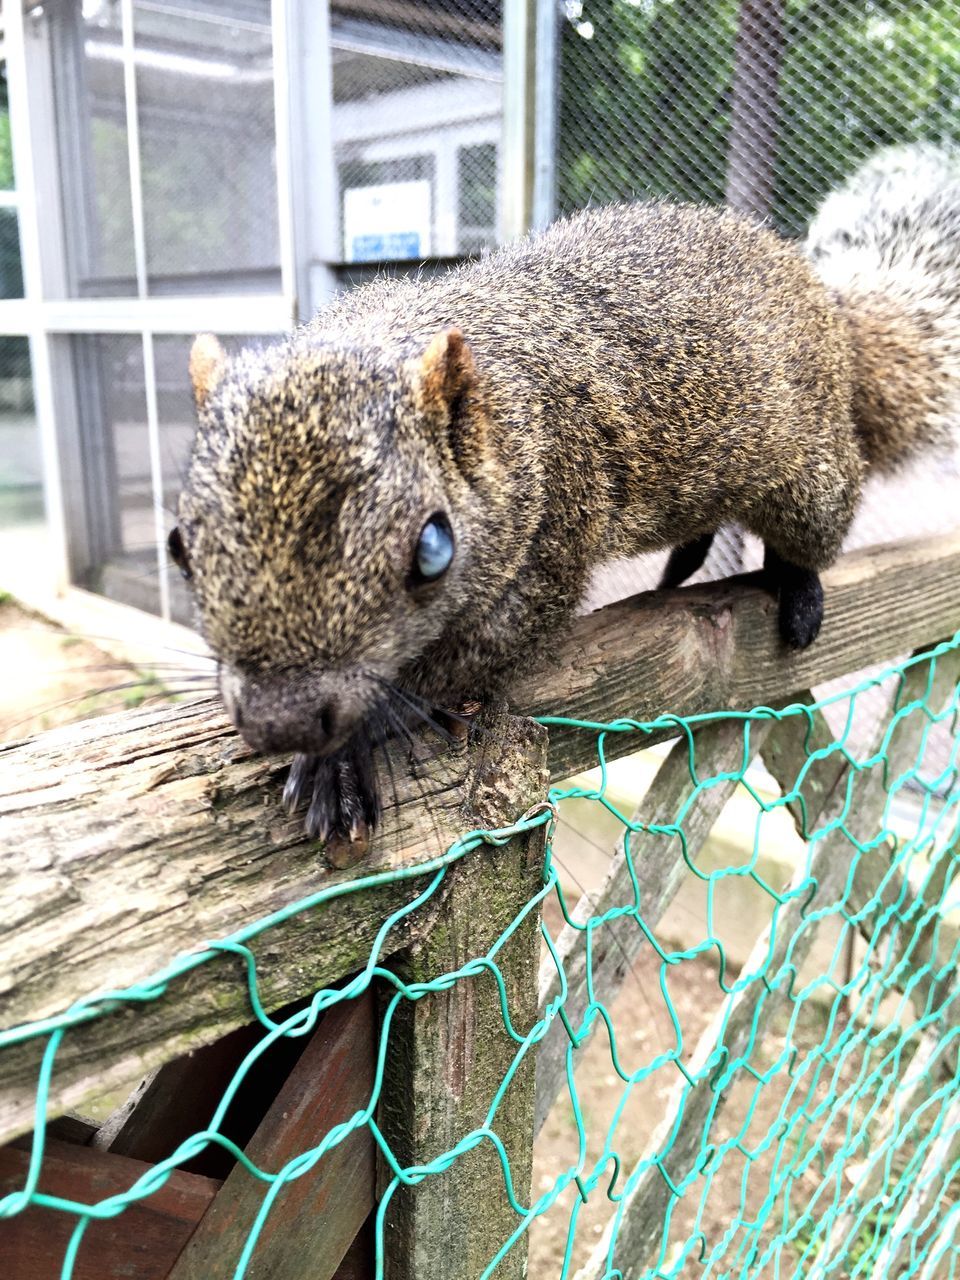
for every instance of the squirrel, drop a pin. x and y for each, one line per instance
(398, 506)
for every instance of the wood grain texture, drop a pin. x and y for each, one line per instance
(448, 1054)
(179, 1098)
(715, 647)
(930, 1195)
(315, 1219)
(359, 1260)
(917, 1074)
(141, 1243)
(135, 838)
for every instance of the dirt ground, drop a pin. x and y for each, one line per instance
(52, 677)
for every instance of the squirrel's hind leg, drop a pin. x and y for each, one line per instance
(799, 594)
(684, 561)
(803, 524)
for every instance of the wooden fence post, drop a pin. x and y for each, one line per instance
(449, 1051)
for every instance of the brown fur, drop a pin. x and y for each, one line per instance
(631, 379)
(899, 383)
(207, 363)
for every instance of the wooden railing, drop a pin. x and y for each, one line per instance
(136, 837)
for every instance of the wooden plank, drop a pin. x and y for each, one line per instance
(139, 836)
(448, 1053)
(929, 948)
(359, 1262)
(877, 882)
(133, 838)
(912, 1090)
(741, 1021)
(141, 1243)
(941, 1246)
(716, 646)
(179, 1098)
(73, 1127)
(930, 1187)
(660, 869)
(315, 1219)
(925, 951)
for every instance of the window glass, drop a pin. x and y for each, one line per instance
(207, 146)
(87, 50)
(21, 471)
(477, 197)
(118, 481)
(417, 102)
(6, 147)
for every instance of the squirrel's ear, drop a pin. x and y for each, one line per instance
(447, 371)
(207, 363)
(447, 375)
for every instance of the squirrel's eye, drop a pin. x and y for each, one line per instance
(178, 552)
(434, 553)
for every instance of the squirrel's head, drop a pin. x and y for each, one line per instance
(326, 523)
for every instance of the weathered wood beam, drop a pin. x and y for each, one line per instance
(885, 1135)
(358, 1262)
(316, 1217)
(879, 887)
(716, 647)
(448, 1054)
(941, 1246)
(931, 1187)
(660, 870)
(134, 839)
(180, 1097)
(141, 1243)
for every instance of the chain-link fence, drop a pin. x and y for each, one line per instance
(168, 180)
(767, 105)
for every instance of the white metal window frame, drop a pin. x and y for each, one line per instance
(309, 240)
(46, 312)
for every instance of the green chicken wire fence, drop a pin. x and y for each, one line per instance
(838, 1150)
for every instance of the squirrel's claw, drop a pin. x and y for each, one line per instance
(299, 784)
(342, 798)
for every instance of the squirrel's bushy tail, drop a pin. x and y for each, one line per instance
(887, 244)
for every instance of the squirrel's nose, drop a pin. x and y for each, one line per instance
(328, 719)
(296, 732)
(290, 712)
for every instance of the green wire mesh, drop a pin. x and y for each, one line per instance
(838, 1150)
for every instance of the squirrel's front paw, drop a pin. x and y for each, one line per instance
(342, 798)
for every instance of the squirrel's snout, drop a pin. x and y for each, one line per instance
(284, 714)
(314, 736)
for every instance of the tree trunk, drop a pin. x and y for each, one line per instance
(755, 107)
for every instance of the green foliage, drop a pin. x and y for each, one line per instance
(6, 144)
(646, 89)
(6, 151)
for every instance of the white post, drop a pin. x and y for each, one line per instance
(519, 72)
(530, 35)
(304, 78)
(26, 146)
(140, 261)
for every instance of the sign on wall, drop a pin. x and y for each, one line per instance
(387, 221)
